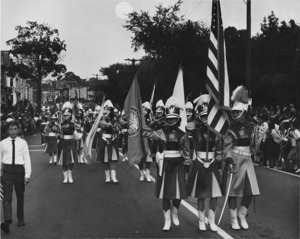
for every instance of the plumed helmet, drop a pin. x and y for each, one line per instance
(98, 108)
(67, 112)
(240, 99)
(8, 120)
(80, 106)
(173, 108)
(160, 107)
(123, 112)
(108, 104)
(189, 108)
(108, 108)
(54, 116)
(146, 108)
(147, 105)
(201, 104)
(240, 102)
(67, 105)
(116, 112)
(90, 111)
(43, 108)
(48, 113)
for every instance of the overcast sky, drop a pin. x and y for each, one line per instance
(93, 32)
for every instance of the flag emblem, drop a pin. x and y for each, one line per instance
(134, 126)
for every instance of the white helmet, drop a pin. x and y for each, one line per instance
(240, 101)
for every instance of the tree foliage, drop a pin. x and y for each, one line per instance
(168, 41)
(36, 50)
(70, 76)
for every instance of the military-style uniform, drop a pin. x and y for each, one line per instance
(67, 153)
(238, 146)
(145, 163)
(51, 133)
(124, 135)
(108, 147)
(170, 182)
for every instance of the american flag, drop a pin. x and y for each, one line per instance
(217, 82)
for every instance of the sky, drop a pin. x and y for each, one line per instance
(93, 32)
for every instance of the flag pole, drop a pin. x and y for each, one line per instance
(226, 198)
(248, 57)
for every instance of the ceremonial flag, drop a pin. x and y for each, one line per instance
(217, 82)
(137, 144)
(87, 145)
(178, 92)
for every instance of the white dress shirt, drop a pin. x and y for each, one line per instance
(22, 156)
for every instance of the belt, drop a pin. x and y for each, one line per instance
(52, 134)
(242, 150)
(107, 136)
(202, 155)
(172, 153)
(68, 137)
(124, 130)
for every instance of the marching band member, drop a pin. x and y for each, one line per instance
(124, 135)
(237, 150)
(96, 139)
(44, 118)
(189, 109)
(89, 121)
(51, 133)
(170, 183)
(79, 126)
(67, 154)
(204, 180)
(108, 150)
(158, 123)
(160, 116)
(148, 159)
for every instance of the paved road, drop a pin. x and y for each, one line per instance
(90, 208)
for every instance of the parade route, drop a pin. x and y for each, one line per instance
(91, 208)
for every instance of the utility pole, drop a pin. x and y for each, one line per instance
(248, 57)
(133, 60)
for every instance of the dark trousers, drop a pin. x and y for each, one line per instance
(13, 177)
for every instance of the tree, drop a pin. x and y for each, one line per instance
(70, 76)
(36, 49)
(276, 62)
(168, 40)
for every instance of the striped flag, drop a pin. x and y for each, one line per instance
(217, 82)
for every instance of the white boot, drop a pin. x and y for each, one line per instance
(51, 159)
(65, 176)
(107, 176)
(202, 226)
(242, 216)
(142, 177)
(55, 159)
(70, 176)
(113, 176)
(148, 178)
(211, 220)
(80, 159)
(175, 216)
(167, 215)
(234, 221)
(84, 159)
